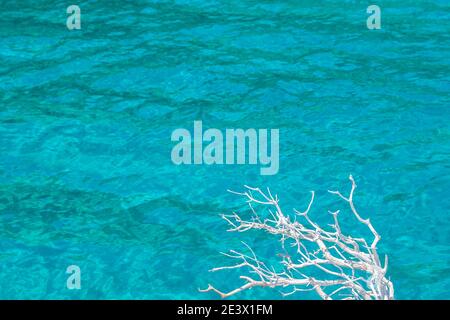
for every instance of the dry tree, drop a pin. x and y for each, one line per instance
(334, 265)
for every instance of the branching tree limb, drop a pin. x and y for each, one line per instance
(332, 264)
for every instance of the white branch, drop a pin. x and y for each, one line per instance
(338, 264)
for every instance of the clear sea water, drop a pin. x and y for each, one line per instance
(86, 117)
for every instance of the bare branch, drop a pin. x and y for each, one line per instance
(328, 262)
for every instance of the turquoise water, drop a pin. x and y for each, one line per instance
(86, 116)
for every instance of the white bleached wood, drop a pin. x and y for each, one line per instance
(330, 263)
